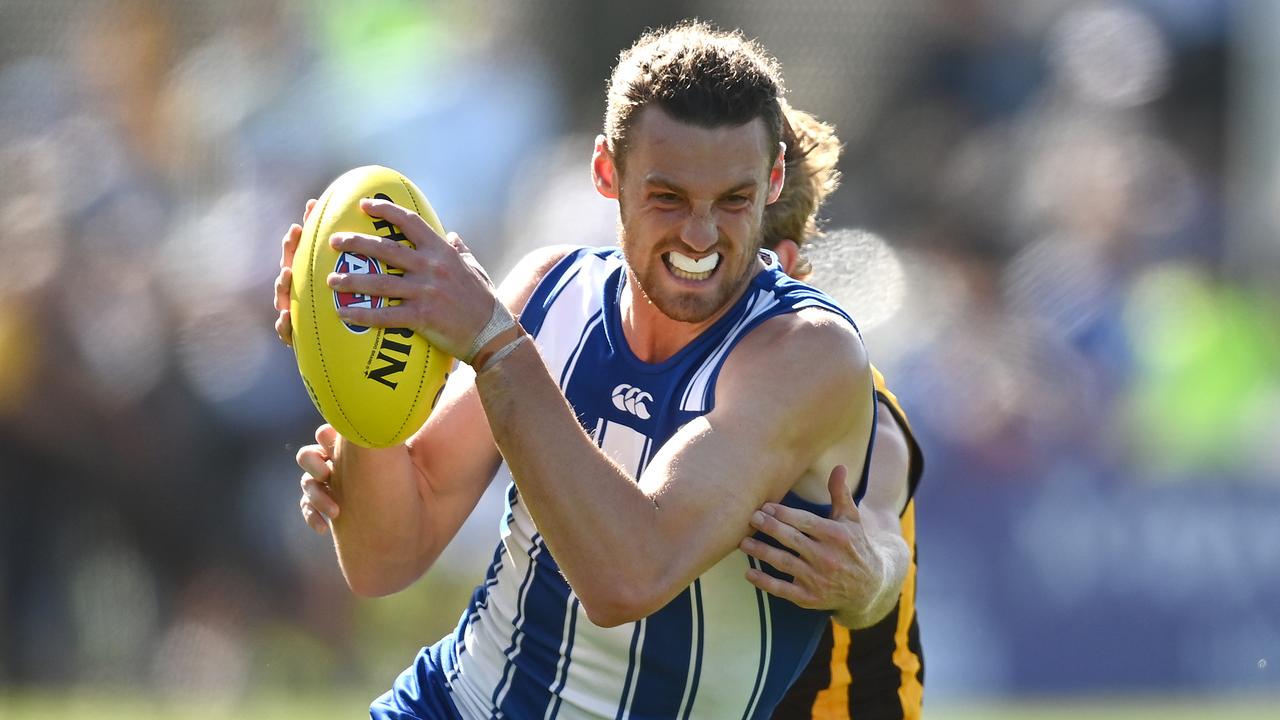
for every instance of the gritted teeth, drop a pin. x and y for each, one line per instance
(703, 265)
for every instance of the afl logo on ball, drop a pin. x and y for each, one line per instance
(354, 264)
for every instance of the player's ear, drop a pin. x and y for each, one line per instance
(788, 253)
(603, 170)
(777, 174)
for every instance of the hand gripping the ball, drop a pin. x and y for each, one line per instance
(284, 279)
(444, 293)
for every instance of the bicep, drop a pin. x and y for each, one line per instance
(705, 482)
(768, 426)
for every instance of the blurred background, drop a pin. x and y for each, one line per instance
(1057, 229)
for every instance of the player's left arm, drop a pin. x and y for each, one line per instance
(854, 562)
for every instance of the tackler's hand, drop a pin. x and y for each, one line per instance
(832, 562)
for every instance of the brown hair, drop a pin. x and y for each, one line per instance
(698, 75)
(812, 152)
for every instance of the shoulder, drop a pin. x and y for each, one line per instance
(537, 263)
(518, 286)
(808, 339)
(811, 361)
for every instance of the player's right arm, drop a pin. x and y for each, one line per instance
(393, 510)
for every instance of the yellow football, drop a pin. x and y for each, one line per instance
(375, 386)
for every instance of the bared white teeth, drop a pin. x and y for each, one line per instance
(685, 267)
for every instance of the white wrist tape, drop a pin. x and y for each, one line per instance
(499, 321)
(501, 354)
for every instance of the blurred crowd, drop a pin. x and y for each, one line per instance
(1037, 232)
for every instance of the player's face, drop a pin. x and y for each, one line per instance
(692, 202)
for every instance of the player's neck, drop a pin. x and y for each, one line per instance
(652, 335)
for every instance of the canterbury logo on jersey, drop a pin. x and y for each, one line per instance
(630, 399)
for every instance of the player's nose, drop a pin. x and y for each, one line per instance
(699, 232)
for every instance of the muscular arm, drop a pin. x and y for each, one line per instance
(401, 506)
(855, 561)
(629, 546)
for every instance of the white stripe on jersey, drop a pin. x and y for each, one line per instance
(570, 620)
(695, 649)
(695, 394)
(513, 650)
(633, 670)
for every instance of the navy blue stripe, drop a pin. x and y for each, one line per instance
(865, 476)
(534, 549)
(558, 287)
(764, 645)
(568, 657)
(545, 606)
(709, 391)
(479, 601)
(664, 659)
(513, 499)
(796, 633)
(631, 669)
(535, 310)
(480, 597)
(577, 349)
(697, 664)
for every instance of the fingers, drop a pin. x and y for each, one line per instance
(374, 246)
(314, 460)
(313, 518)
(783, 532)
(777, 557)
(327, 438)
(802, 520)
(283, 282)
(465, 253)
(284, 328)
(316, 494)
(410, 223)
(454, 240)
(317, 504)
(375, 284)
(306, 212)
(289, 245)
(781, 588)
(395, 316)
(842, 505)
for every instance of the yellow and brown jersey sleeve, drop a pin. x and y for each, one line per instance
(875, 673)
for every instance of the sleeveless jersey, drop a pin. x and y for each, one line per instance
(524, 648)
(877, 672)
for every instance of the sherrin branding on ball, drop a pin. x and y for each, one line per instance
(375, 386)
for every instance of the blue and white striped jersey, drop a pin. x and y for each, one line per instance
(721, 649)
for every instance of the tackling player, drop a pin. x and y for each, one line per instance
(876, 670)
